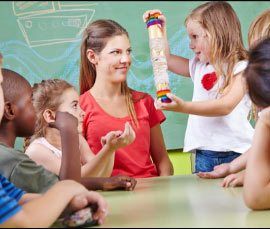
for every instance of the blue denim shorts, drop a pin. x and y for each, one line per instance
(206, 160)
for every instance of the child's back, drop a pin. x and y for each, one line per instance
(257, 175)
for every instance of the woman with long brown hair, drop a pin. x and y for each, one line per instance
(109, 103)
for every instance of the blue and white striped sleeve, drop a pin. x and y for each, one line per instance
(9, 197)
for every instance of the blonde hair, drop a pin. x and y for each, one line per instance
(258, 31)
(95, 37)
(259, 28)
(46, 95)
(224, 32)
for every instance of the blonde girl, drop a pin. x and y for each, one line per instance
(108, 102)
(218, 130)
(54, 95)
(234, 171)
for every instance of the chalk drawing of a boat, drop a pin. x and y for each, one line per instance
(52, 22)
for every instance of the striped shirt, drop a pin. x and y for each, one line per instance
(9, 198)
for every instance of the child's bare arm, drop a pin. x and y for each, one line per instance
(217, 107)
(226, 169)
(28, 197)
(176, 64)
(70, 163)
(257, 175)
(99, 165)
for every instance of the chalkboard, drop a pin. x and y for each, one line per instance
(41, 40)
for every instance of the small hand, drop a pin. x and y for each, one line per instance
(118, 139)
(219, 171)
(109, 137)
(119, 182)
(90, 198)
(64, 120)
(177, 103)
(233, 180)
(161, 17)
(77, 202)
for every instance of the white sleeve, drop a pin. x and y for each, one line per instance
(192, 67)
(240, 66)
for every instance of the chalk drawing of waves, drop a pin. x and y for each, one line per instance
(19, 57)
(24, 60)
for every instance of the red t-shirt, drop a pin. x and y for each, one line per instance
(133, 160)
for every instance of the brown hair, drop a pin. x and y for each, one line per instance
(95, 37)
(46, 95)
(257, 74)
(224, 32)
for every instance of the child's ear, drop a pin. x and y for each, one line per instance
(49, 116)
(91, 56)
(9, 111)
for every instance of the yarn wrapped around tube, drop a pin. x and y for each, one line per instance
(158, 59)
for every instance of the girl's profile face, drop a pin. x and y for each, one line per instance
(114, 61)
(199, 42)
(70, 104)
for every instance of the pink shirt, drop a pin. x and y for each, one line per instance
(135, 159)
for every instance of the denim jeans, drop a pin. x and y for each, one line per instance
(206, 160)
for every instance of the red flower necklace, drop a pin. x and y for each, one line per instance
(209, 80)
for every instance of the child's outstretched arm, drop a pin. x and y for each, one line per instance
(210, 108)
(53, 202)
(257, 175)
(101, 165)
(226, 169)
(176, 64)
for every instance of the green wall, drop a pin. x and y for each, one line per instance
(181, 162)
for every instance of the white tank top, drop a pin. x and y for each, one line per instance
(44, 142)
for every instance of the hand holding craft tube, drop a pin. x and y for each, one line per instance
(158, 58)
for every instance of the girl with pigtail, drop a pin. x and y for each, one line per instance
(50, 96)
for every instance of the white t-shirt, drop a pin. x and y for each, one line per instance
(231, 132)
